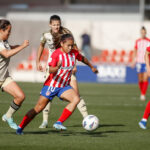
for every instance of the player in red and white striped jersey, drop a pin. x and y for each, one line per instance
(143, 122)
(61, 65)
(139, 52)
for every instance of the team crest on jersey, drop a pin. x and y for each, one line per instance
(48, 93)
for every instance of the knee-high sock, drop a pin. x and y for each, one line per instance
(46, 111)
(144, 87)
(65, 115)
(147, 111)
(24, 122)
(82, 107)
(141, 86)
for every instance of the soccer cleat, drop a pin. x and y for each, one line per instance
(19, 131)
(58, 126)
(142, 98)
(142, 124)
(10, 122)
(43, 125)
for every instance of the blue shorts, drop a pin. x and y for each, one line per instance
(140, 68)
(51, 92)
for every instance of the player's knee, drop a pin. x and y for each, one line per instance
(76, 100)
(20, 97)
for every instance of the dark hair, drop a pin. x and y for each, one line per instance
(54, 17)
(66, 37)
(143, 28)
(4, 24)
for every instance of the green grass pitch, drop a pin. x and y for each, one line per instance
(116, 105)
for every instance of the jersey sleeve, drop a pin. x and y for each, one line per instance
(53, 60)
(78, 55)
(43, 39)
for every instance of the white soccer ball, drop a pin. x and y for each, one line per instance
(90, 123)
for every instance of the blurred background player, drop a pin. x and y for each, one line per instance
(138, 59)
(6, 82)
(61, 64)
(52, 39)
(86, 45)
(143, 122)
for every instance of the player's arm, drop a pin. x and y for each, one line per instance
(147, 60)
(54, 69)
(39, 54)
(8, 53)
(85, 61)
(54, 63)
(134, 56)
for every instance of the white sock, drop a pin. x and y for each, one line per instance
(144, 120)
(10, 112)
(46, 112)
(82, 107)
(12, 109)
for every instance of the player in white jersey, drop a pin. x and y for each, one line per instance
(6, 82)
(52, 39)
(138, 58)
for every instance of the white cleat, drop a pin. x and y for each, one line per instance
(142, 98)
(44, 125)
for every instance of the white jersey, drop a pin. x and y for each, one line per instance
(4, 62)
(48, 39)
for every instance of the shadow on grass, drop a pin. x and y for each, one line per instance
(76, 133)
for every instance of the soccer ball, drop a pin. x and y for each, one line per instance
(90, 123)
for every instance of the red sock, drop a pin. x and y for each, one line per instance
(144, 88)
(25, 121)
(141, 86)
(147, 111)
(65, 115)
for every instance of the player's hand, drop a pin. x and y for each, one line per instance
(39, 67)
(74, 70)
(94, 70)
(25, 43)
(132, 65)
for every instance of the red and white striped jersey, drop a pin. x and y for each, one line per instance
(62, 77)
(140, 46)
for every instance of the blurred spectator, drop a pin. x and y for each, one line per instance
(86, 45)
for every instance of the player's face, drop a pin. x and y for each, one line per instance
(143, 33)
(4, 34)
(67, 45)
(55, 26)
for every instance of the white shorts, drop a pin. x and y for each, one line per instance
(5, 82)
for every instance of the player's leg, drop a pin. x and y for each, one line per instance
(72, 97)
(41, 104)
(145, 84)
(13, 89)
(143, 122)
(47, 109)
(46, 112)
(141, 85)
(82, 105)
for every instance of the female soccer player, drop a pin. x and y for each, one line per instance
(6, 82)
(57, 84)
(143, 122)
(52, 38)
(138, 58)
